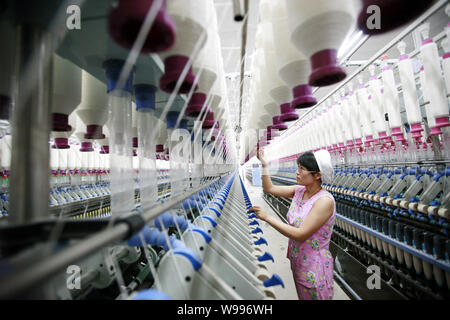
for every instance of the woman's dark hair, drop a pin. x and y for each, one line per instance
(308, 161)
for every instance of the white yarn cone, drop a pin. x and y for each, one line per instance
(438, 107)
(190, 18)
(93, 110)
(391, 100)
(317, 29)
(378, 104)
(66, 92)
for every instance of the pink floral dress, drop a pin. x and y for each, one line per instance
(311, 261)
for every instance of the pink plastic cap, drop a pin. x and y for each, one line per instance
(435, 131)
(416, 127)
(173, 67)
(125, 22)
(209, 120)
(303, 97)
(325, 69)
(60, 122)
(94, 131)
(287, 113)
(195, 105)
(159, 148)
(396, 131)
(273, 132)
(442, 122)
(86, 147)
(416, 130)
(104, 150)
(61, 143)
(382, 135)
(277, 124)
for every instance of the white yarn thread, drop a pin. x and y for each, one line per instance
(405, 70)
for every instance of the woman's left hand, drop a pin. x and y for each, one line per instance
(260, 212)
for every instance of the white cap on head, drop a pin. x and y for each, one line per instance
(323, 159)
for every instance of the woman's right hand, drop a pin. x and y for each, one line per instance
(260, 156)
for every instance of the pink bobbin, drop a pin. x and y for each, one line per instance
(159, 148)
(287, 113)
(303, 97)
(209, 120)
(350, 144)
(61, 143)
(277, 124)
(416, 130)
(325, 69)
(442, 122)
(398, 134)
(382, 135)
(127, 18)
(94, 131)
(86, 147)
(195, 105)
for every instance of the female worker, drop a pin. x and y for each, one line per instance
(311, 217)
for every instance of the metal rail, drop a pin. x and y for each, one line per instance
(346, 286)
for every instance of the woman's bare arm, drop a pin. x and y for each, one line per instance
(321, 211)
(278, 191)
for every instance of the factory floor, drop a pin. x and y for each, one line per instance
(277, 248)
